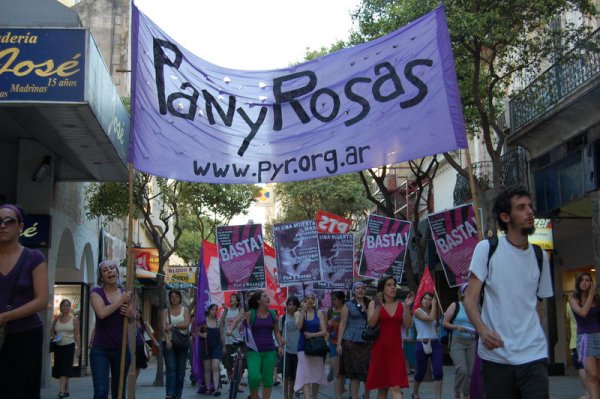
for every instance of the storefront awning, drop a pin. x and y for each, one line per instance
(55, 89)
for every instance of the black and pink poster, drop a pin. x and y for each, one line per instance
(297, 247)
(241, 257)
(384, 247)
(337, 260)
(455, 234)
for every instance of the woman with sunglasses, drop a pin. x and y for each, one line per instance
(20, 355)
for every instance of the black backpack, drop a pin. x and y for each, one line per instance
(539, 256)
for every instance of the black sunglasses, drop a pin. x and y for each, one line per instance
(8, 221)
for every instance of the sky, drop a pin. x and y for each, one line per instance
(252, 35)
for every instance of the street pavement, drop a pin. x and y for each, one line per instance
(561, 387)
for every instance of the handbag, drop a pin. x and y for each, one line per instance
(178, 339)
(147, 351)
(316, 346)
(11, 296)
(369, 334)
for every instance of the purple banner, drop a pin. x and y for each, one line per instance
(337, 260)
(384, 247)
(387, 101)
(455, 234)
(297, 248)
(241, 257)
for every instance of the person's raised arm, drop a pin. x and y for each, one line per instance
(407, 317)
(583, 310)
(103, 311)
(373, 310)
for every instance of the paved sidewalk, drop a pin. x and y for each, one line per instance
(562, 387)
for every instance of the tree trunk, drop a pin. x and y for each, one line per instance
(159, 379)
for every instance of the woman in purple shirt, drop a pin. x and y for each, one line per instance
(111, 305)
(585, 304)
(262, 354)
(23, 293)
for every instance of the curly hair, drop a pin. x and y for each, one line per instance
(503, 202)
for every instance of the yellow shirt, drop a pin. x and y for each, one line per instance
(573, 327)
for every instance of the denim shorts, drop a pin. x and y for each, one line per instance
(588, 345)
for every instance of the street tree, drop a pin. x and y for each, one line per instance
(167, 209)
(495, 44)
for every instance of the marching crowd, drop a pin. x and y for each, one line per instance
(362, 336)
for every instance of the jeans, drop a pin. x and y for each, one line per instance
(103, 361)
(175, 364)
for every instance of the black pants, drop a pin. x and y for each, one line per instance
(524, 381)
(21, 364)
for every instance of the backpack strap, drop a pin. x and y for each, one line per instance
(493, 241)
(456, 310)
(539, 256)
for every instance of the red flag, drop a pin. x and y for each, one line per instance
(426, 285)
(331, 223)
(277, 295)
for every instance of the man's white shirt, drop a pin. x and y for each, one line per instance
(510, 300)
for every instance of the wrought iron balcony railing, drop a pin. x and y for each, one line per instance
(513, 169)
(578, 66)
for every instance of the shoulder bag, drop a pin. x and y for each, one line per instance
(11, 296)
(369, 334)
(178, 339)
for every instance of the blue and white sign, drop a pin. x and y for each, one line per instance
(42, 65)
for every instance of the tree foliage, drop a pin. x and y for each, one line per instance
(340, 194)
(495, 44)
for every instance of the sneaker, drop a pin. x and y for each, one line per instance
(217, 393)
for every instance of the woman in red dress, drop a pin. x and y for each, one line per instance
(387, 369)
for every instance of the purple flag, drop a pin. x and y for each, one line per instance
(241, 257)
(384, 247)
(455, 234)
(387, 101)
(202, 299)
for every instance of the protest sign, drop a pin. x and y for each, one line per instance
(384, 247)
(241, 259)
(298, 257)
(337, 261)
(331, 223)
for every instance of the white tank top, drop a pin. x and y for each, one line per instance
(67, 330)
(180, 318)
(425, 329)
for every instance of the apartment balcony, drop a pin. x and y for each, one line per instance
(514, 170)
(561, 102)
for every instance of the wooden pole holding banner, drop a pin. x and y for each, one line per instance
(129, 287)
(474, 193)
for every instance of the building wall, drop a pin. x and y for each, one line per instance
(109, 23)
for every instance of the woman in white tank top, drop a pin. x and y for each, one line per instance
(65, 332)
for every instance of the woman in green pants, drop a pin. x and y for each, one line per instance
(262, 354)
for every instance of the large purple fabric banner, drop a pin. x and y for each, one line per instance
(455, 234)
(297, 248)
(337, 261)
(384, 247)
(241, 257)
(386, 101)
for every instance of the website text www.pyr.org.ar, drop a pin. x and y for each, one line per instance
(266, 171)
